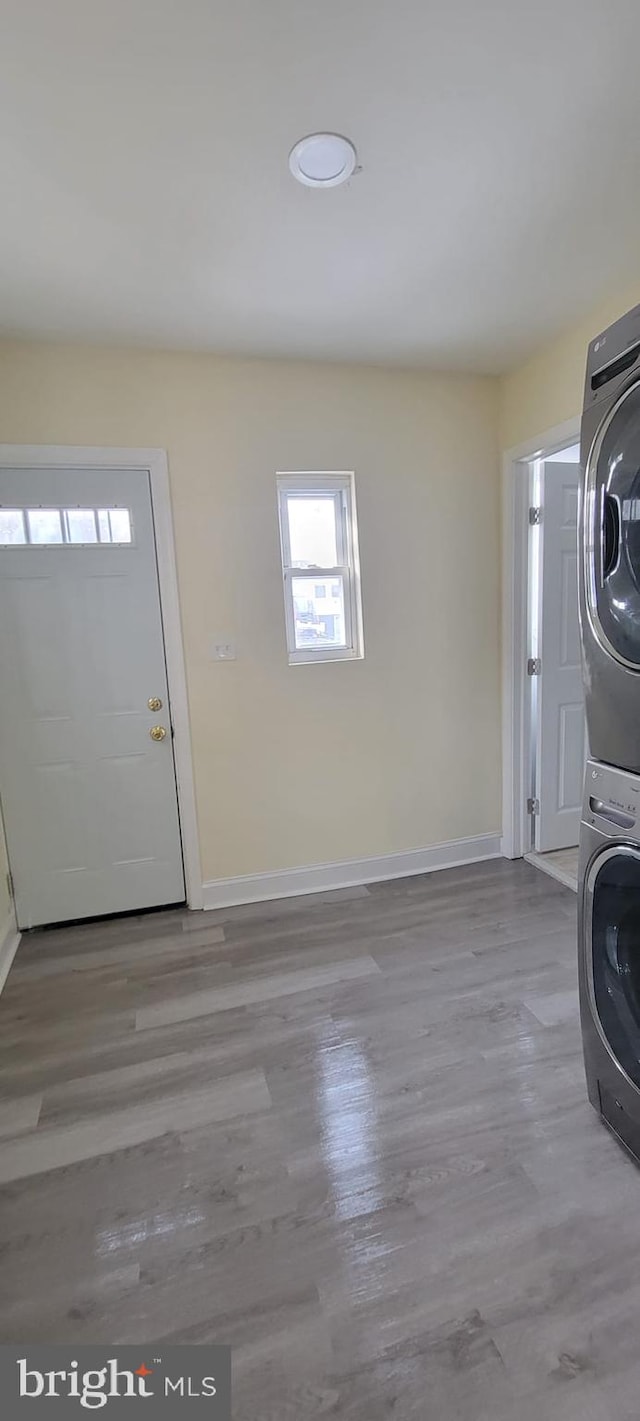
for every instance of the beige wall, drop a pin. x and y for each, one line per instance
(547, 390)
(311, 764)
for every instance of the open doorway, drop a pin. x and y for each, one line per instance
(548, 727)
(557, 716)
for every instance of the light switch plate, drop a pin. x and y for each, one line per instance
(224, 651)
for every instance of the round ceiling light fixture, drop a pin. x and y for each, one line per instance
(323, 160)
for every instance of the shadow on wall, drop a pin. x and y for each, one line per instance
(5, 896)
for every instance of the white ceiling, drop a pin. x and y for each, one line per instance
(146, 195)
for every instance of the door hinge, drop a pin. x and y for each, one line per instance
(10, 885)
(534, 666)
(533, 806)
(535, 516)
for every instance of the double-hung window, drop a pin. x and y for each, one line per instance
(320, 566)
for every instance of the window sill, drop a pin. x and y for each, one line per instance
(315, 658)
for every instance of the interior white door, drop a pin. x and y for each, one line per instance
(89, 798)
(560, 718)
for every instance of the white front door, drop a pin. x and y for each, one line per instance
(88, 796)
(560, 718)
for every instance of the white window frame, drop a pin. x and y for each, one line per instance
(340, 487)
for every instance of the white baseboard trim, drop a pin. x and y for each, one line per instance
(291, 882)
(9, 942)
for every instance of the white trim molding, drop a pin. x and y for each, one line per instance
(516, 727)
(350, 873)
(9, 943)
(154, 462)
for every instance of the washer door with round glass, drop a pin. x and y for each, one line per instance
(613, 540)
(614, 889)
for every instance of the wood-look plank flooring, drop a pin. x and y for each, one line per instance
(348, 1135)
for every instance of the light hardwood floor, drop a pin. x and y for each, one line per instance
(347, 1134)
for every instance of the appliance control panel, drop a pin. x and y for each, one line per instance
(611, 797)
(613, 357)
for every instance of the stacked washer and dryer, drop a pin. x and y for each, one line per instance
(609, 874)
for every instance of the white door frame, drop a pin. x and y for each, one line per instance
(516, 718)
(154, 463)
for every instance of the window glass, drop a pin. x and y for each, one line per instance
(104, 526)
(44, 525)
(320, 567)
(319, 621)
(12, 529)
(120, 525)
(47, 527)
(312, 531)
(81, 525)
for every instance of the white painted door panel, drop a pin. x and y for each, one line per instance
(89, 799)
(561, 726)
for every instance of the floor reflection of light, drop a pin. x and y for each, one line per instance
(528, 1073)
(138, 1231)
(349, 1126)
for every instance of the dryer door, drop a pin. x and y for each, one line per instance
(613, 953)
(613, 530)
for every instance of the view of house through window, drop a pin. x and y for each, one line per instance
(319, 616)
(320, 566)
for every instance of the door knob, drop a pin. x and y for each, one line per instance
(157, 732)
(154, 703)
